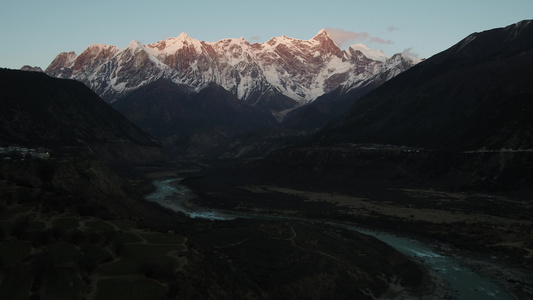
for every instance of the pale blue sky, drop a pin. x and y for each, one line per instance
(33, 32)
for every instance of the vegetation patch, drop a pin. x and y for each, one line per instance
(98, 253)
(62, 283)
(124, 224)
(62, 252)
(99, 225)
(17, 282)
(66, 223)
(37, 226)
(6, 226)
(14, 211)
(127, 237)
(135, 256)
(129, 289)
(14, 251)
(162, 238)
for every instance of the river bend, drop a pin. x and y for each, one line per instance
(466, 284)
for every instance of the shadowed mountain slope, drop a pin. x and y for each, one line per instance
(72, 202)
(477, 94)
(192, 123)
(38, 110)
(168, 110)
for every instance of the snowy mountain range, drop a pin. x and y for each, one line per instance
(297, 70)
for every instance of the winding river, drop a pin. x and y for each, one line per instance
(467, 284)
(170, 193)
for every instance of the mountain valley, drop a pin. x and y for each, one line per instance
(292, 138)
(259, 82)
(441, 151)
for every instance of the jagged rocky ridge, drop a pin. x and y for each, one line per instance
(278, 74)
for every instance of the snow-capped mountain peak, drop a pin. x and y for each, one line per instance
(322, 35)
(62, 65)
(100, 47)
(373, 54)
(300, 70)
(134, 45)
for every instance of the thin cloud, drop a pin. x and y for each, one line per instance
(377, 40)
(342, 37)
(410, 52)
(392, 28)
(255, 38)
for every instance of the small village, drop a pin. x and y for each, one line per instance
(14, 152)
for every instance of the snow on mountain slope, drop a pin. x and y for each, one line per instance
(370, 53)
(299, 69)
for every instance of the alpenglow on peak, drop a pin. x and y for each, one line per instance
(300, 70)
(323, 33)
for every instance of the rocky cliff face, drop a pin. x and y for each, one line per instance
(285, 71)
